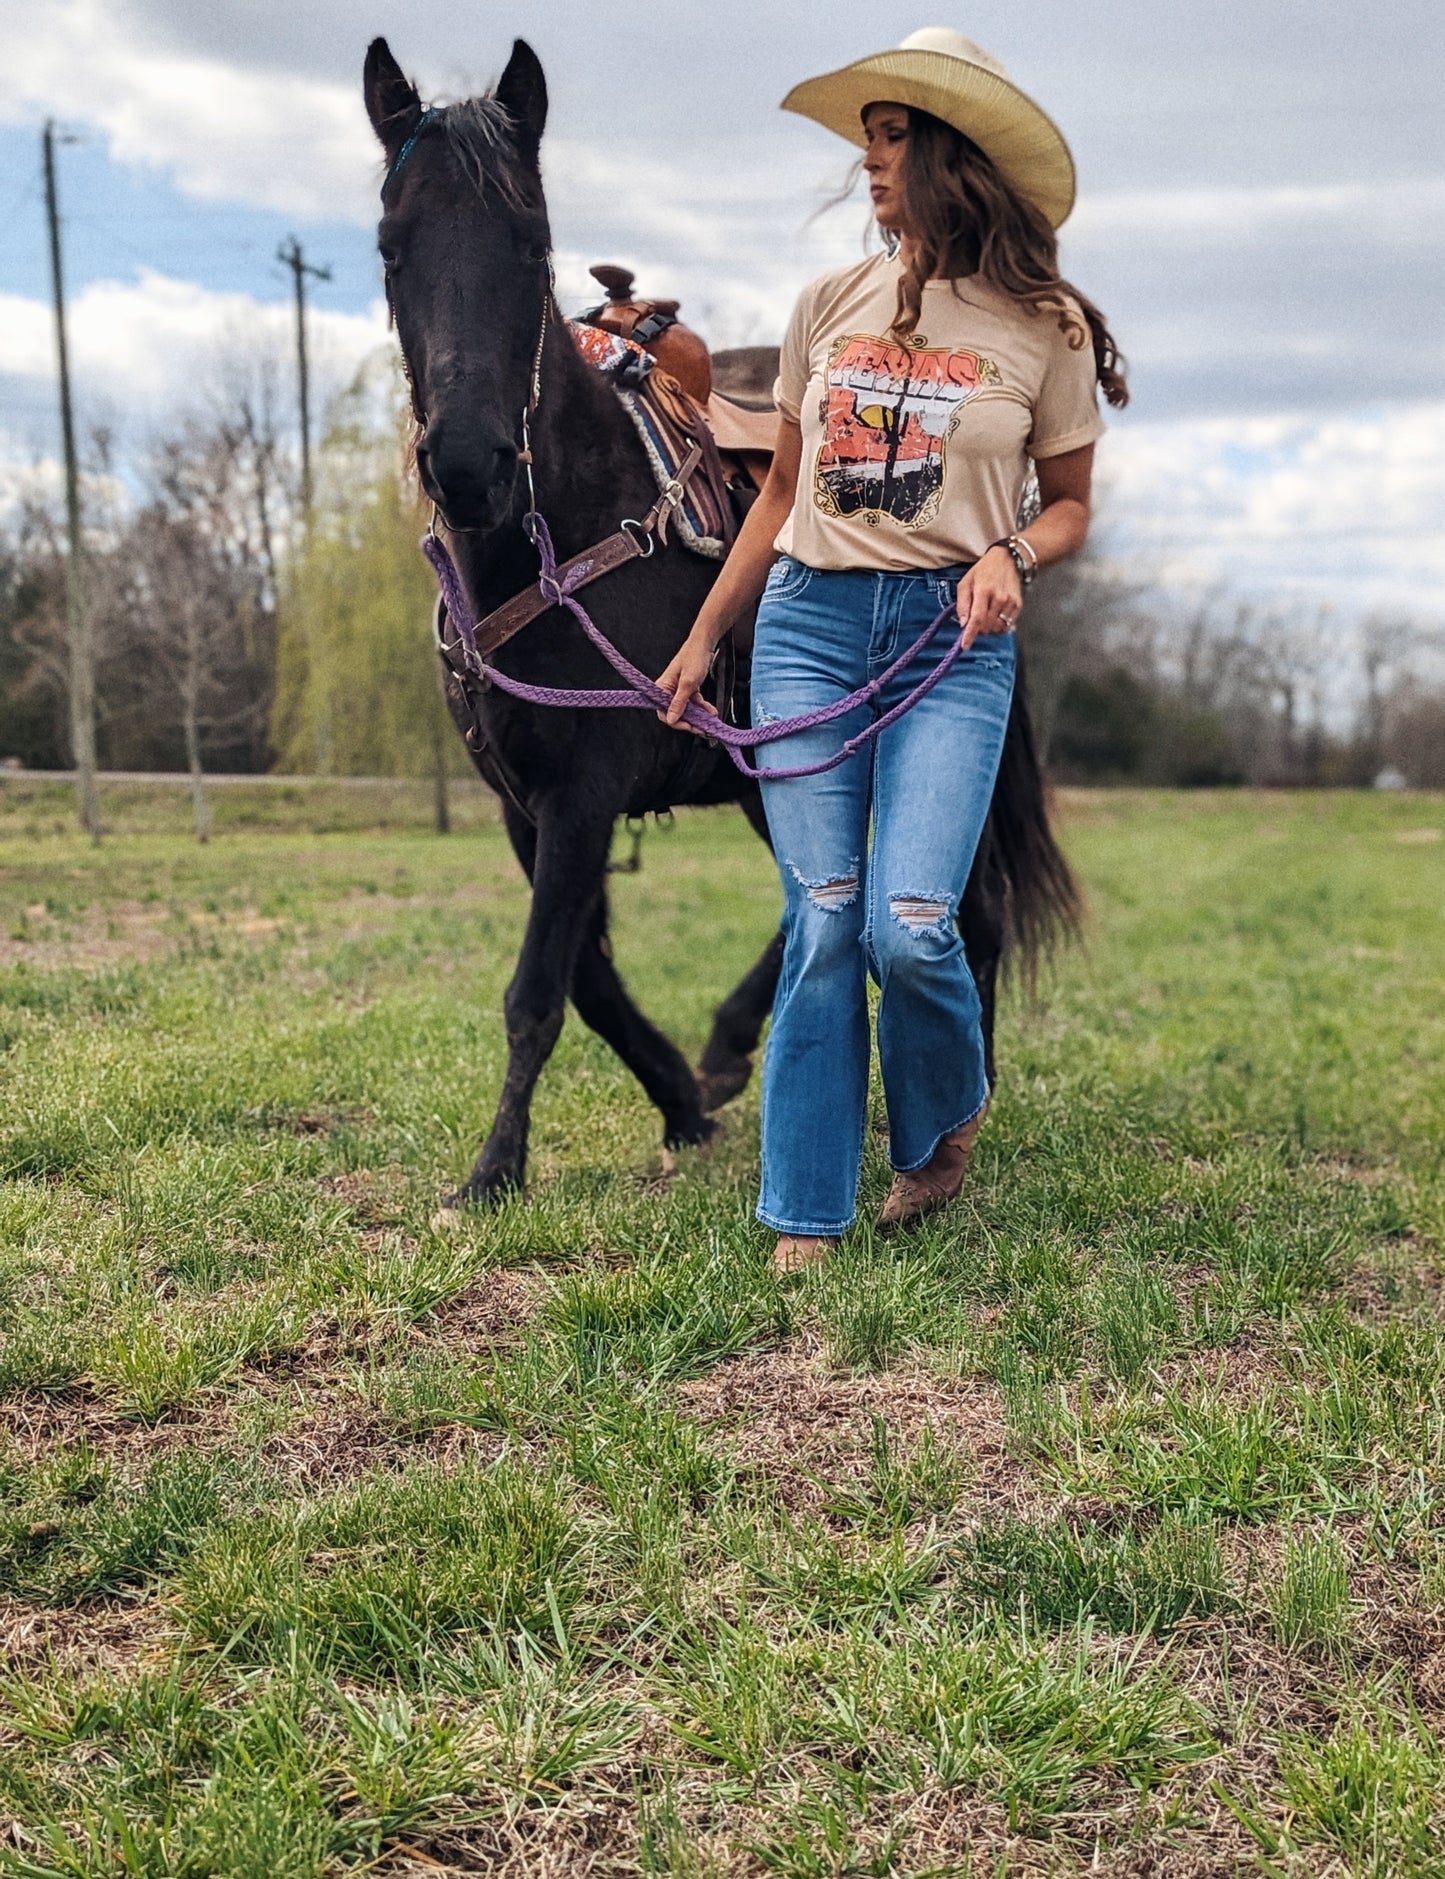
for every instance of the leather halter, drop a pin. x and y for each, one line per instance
(632, 540)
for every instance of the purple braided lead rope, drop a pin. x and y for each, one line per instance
(646, 695)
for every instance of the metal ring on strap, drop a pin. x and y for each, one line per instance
(641, 536)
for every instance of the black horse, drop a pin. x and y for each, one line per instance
(465, 244)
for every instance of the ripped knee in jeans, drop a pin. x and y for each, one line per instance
(831, 894)
(920, 913)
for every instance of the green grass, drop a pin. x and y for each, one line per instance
(1097, 1524)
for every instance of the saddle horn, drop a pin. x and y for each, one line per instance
(615, 282)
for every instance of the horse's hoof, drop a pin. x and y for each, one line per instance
(688, 1132)
(716, 1087)
(478, 1196)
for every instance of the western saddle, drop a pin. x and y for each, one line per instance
(744, 425)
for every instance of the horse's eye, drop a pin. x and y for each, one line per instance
(537, 245)
(390, 263)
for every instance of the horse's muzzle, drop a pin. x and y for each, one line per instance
(471, 480)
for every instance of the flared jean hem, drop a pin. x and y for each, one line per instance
(808, 1229)
(972, 1116)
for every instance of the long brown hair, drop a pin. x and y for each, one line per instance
(964, 219)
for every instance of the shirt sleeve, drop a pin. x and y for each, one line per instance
(1066, 413)
(791, 386)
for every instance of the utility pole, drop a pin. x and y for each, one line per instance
(292, 256)
(77, 617)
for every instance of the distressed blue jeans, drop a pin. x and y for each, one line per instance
(888, 909)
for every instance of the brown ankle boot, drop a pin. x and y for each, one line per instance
(924, 1190)
(797, 1252)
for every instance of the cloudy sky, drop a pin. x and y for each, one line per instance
(1262, 215)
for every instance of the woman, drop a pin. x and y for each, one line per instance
(913, 389)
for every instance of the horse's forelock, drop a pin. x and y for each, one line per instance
(481, 135)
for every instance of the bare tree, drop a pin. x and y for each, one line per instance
(1415, 734)
(195, 588)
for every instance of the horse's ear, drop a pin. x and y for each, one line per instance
(523, 90)
(392, 103)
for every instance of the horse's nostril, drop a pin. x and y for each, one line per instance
(470, 479)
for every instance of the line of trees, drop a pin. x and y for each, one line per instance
(234, 633)
(1194, 690)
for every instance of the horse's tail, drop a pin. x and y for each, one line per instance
(1042, 907)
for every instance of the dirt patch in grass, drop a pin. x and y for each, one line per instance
(807, 1429)
(122, 931)
(1233, 1375)
(118, 1636)
(951, 1831)
(375, 1197)
(1399, 1278)
(318, 1121)
(1353, 1168)
(1213, 1844)
(327, 1346)
(492, 1313)
(588, 1834)
(340, 1443)
(125, 930)
(594, 1833)
(36, 1424)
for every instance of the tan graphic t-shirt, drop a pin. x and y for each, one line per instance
(915, 454)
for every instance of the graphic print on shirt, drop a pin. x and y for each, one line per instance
(888, 411)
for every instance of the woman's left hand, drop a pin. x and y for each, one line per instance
(990, 596)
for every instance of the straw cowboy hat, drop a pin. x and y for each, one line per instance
(938, 70)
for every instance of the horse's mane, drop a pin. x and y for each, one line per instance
(479, 132)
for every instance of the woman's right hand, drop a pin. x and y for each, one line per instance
(685, 678)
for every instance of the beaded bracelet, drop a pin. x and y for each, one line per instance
(1023, 555)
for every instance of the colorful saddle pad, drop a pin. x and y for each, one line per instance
(701, 518)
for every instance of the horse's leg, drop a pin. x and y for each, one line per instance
(522, 834)
(606, 1007)
(568, 867)
(737, 1024)
(603, 1002)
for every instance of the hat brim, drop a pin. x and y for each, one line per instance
(1003, 121)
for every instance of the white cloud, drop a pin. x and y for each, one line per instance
(1345, 510)
(142, 349)
(1404, 212)
(225, 131)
